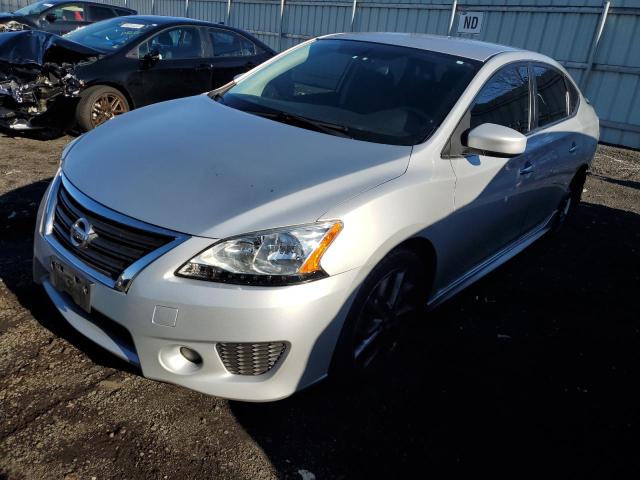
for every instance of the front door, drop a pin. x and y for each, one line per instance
(178, 68)
(489, 203)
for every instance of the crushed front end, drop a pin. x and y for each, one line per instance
(38, 83)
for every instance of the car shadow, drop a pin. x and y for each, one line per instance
(18, 211)
(616, 181)
(533, 368)
(43, 135)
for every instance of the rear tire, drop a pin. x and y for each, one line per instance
(99, 104)
(571, 200)
(390, 295)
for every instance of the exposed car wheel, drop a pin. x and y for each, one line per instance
(571, 200)
(394, 291)
(99, 104)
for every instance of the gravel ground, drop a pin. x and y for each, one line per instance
(533, 369)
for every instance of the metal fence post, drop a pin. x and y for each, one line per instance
(228, 19)
(153, 7)
(454, 7)
(186, 8)
(353, 13)
(280, 31)
(594, 45)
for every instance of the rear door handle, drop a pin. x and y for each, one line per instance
(573, 147)
(203, 66)
(527, 169)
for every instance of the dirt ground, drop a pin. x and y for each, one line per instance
(535, 369)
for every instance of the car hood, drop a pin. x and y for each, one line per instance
(35, 48)
(198, 167)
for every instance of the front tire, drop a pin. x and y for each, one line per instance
(394, 291)
(99, 104)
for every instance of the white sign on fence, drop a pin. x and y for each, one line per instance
(470, 22)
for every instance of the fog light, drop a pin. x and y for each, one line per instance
(180, 359)
(191, 355)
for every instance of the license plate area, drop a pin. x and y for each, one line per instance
(68, 280)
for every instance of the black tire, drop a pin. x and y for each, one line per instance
(98, 104)
(352, 360)
(571, 200)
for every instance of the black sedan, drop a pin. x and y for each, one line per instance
(108, 68)
(59, 16)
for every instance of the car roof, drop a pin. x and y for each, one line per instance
(164, 20)
(55, 2)
(460, 47)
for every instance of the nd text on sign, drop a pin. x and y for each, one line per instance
(470, 22)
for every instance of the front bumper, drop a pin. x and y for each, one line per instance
(306, 317)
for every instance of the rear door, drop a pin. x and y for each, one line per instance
(231, 54)
(554, 143)
(181, 69)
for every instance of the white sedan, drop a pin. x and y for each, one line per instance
(249, 242)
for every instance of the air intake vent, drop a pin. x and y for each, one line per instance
(250, 358)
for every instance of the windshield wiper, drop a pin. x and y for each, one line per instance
(317, 125)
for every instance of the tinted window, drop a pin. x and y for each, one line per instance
(504, 100)
(72, 13)
(175, 44)
(551, 96)
(372, 92)
(122, 12)
(97, 13)
(230, 44)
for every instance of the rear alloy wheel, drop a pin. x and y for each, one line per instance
(99, 104)
(391, 294)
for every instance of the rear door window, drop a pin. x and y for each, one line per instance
(98, 13)
(552, 98)
(230, 44)
(504, 100)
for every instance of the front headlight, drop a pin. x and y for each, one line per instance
(272, 257)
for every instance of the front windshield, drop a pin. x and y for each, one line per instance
(34, 8)
(373, 92)
(110, 34)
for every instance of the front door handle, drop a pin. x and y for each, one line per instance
(527, 169)
(573, 147)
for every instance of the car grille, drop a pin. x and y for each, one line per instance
(250, 358)
(114, 248)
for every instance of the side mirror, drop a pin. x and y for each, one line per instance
(151, 58)
(50, 17)
(497, 139)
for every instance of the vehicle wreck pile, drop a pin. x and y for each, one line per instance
(13, 26)
(36, 69)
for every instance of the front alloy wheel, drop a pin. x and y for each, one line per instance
(99, 104)
(394, 290)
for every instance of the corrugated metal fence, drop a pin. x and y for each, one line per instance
(599, 42)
